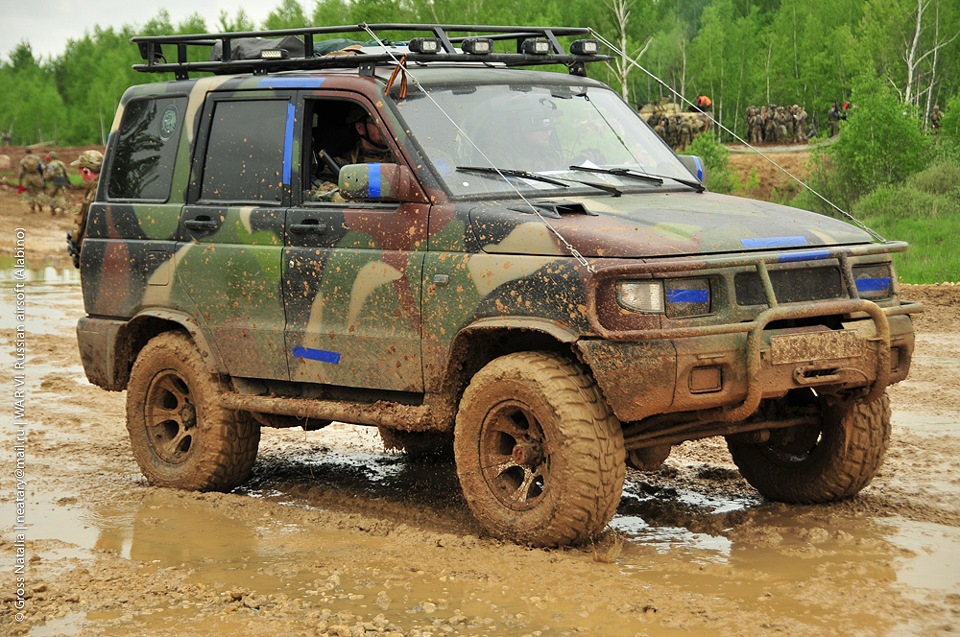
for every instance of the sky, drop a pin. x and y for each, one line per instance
(48, 24)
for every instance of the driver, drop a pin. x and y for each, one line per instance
(370, 148)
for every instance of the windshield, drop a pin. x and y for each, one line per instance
(540, 130)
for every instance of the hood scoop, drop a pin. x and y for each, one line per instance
(554, 209)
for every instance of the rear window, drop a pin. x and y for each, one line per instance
(141, 165)
(245, 151)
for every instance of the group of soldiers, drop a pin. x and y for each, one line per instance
(674, 125)
(678, 131)
(777, 125)
(43, 182)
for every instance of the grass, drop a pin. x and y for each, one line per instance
(925, 212)
(933, 256)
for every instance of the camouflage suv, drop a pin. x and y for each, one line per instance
(533, 277)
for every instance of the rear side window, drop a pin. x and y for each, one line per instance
(245, 151)
(143, 159)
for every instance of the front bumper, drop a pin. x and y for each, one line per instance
(733, 367)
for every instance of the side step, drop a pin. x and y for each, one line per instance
(381, 412)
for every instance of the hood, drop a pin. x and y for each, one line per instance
(654, 225)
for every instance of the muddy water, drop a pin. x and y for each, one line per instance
(332, 535)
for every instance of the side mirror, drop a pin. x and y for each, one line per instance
(695, 165)
(379, 182)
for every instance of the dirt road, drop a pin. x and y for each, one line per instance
(334, 536)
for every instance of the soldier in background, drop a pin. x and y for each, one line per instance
(799, 124)
(55, 182)
(754, 126)
(770, 125)
(833, 119)
(684, 134)
(89, 165)
(30, 180)
(936, 116)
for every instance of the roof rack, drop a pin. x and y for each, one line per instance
(548, 49)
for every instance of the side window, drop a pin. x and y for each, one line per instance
(141, 166)
(245, 152)
(341, 132)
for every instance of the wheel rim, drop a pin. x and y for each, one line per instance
(514, 459)
(171, 417)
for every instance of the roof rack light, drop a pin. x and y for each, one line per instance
(477, 46)
(584, 47)
(424, 45)
(535, 47)
(274, 54)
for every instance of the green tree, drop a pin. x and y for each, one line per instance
(949, 133)
(289, 15)
(32, 109)
(881, 144)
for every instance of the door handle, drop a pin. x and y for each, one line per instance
(201, 223)
(309, 226)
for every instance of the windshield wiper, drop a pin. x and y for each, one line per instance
(633, 174)
(525, 174)
(507, 172)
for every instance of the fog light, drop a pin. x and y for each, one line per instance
(641, 296)
(477, 46)
(873, 281)
(424, 45)
(535, 47)
(273, 54)
(687, 297)
(584, 47)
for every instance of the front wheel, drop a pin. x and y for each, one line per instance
(539, 454)
(181, 436)
(823, 462)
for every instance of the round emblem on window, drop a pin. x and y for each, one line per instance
(168, 122)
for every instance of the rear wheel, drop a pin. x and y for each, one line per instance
(539, 454)
(823, 462)
(180, 434)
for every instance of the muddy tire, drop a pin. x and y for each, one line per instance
(539, 454)
(811, 464)
(180, 434)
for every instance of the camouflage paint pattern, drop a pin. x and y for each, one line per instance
(383, 294)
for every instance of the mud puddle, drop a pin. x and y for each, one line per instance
(277, 551)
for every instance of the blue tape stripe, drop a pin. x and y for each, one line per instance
(288, 144)
(373, 173)
(290, 82)
(774, 242)
(321, 355)
(873, 285)
(803, 255)
(696, 160)
(688, 296)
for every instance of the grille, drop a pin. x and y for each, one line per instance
(791, 286)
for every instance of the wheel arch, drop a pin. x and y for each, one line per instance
(140, 329)
(488, 339)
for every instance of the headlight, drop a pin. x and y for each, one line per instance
(641, 296)
(873, 281)
(677, 298)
